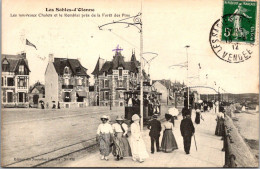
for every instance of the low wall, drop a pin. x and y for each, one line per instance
(237, 152)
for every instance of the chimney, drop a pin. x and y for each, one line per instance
(23, 54)
(51, 58)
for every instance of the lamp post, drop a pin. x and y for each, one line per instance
(188, 93)
(137, 23)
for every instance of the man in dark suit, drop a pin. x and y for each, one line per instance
(185, 111)
(155, 128)
(187, 131)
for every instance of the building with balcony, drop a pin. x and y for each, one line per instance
(114, 77)
(15, 80)
(66, 83)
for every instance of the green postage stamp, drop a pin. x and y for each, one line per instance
(239, 21)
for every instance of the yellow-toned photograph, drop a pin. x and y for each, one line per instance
(142, 83)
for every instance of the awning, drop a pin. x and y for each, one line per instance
(81, 94)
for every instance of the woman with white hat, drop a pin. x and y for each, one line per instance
(121, 146)
(137, 143)
(104, 137)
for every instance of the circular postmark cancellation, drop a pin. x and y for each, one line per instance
(230, 41)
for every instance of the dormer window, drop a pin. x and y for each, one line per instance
(121, 72)
(5, 66)
(21, 69)
(66, 70)
(78, 69)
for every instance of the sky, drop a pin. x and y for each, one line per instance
(168, 26)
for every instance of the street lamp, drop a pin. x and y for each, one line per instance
(187, 46)
(137, 23)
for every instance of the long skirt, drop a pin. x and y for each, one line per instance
(104, 144)
(168, 141)
(220, 127)
(138, 149)
(121, 146)
(197, 118)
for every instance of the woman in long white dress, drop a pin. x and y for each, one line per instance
(137, 143)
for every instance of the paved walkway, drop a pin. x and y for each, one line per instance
(209, 152)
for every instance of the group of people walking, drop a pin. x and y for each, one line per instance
(114, 138)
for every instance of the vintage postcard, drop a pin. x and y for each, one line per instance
(133, 83)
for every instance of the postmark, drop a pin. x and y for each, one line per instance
(239, 23)
(228, 50)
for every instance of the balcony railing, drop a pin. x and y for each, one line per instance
(67, 86)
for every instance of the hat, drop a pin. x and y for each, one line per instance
(155, 115)
(119, 118)
(135, 117)
(104, 117)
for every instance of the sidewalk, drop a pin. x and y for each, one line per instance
(209, 152)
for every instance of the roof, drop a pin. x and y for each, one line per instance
(15, 60)
(166, 83)
(96, 70)
(118, 61)
(40, 87)
(73, 64)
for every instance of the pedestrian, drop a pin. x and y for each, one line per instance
(168, 141)
(121, 146)
(198, 114)
(155, 129)
(137, 143)
(174, 114)
(220, 123)
(185, 111)
(187, 131)
(104, 137)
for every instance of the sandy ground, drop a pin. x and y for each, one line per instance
(209, 152)
(248, 126)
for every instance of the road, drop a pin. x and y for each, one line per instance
(32, 132)
(209, 152)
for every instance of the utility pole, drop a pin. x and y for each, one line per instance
(188, 92)
(137, 23)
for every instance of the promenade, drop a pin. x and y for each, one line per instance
(209, 152)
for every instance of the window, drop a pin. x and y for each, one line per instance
(21, 82)
(120, 72)
(10, 81)
(79, 81)
(120, 83)
(106, 95)
(9, 97)
(66, 81)
(2, 81)
(78, 69)
(5, 66)
(21, 69)
(106, 82)
(66, 70)
(67, 97)
(20, 97)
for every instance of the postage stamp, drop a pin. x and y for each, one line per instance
(239, 21)
(233, 35)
